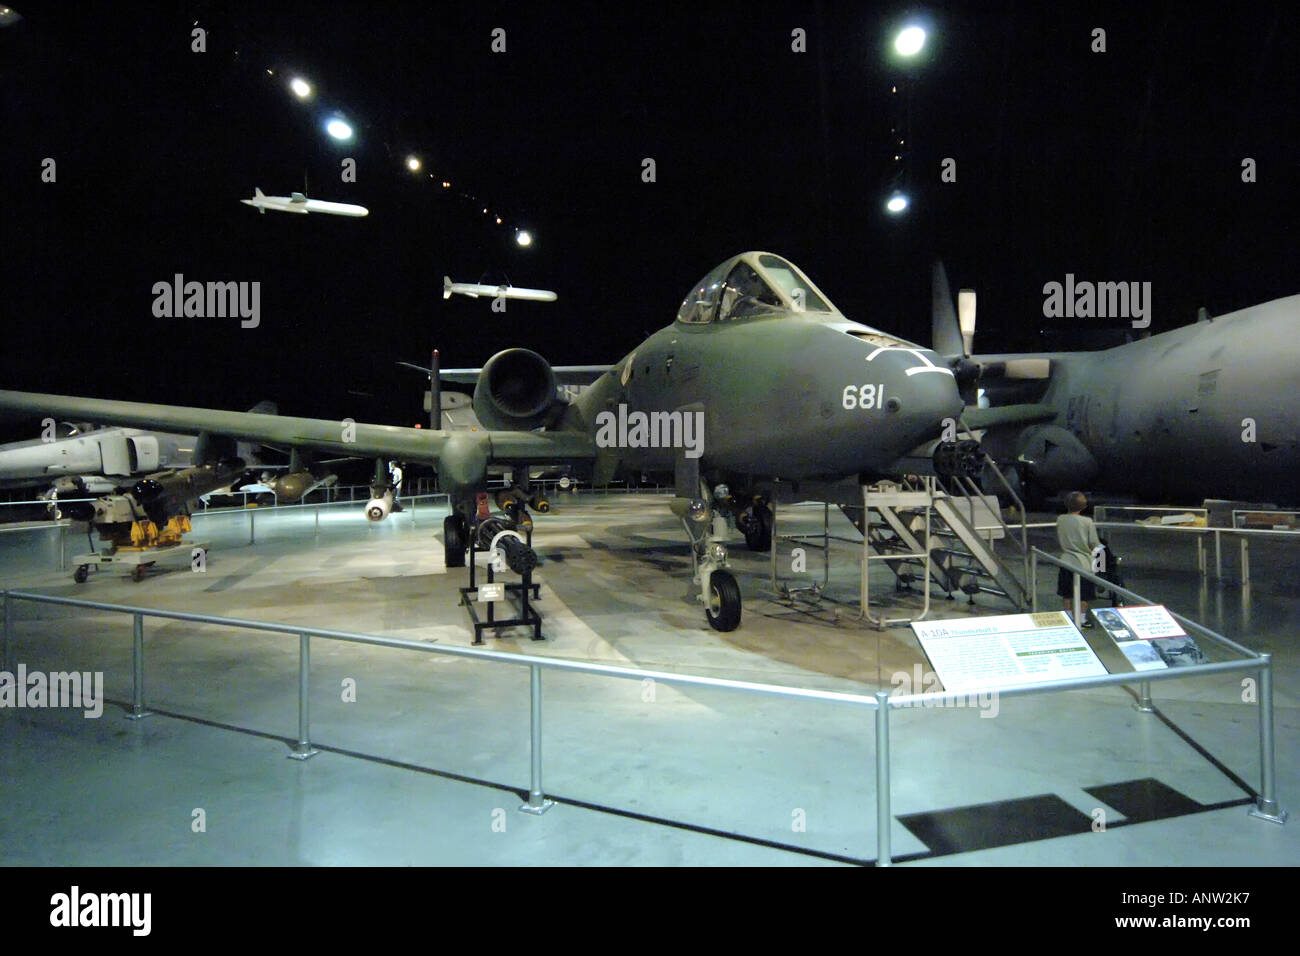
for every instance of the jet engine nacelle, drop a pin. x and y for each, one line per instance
(378, 508)
(515, 390)
(1054, 458)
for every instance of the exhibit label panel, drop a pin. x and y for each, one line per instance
(990, 652)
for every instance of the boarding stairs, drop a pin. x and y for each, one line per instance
(964, 528)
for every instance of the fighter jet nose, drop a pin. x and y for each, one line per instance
(930, 399)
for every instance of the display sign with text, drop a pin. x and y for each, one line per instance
(987, 652)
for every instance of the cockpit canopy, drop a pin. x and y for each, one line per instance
(751, 284)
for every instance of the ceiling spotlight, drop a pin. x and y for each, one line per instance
(523, 237)
(301, 88)
(338, 129)
(909, 41)
(413, 163)
(896, 204)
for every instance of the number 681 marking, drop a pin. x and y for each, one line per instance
(864, 396)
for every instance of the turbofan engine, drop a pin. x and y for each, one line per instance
(515, 390)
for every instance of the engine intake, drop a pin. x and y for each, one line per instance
(515, 390)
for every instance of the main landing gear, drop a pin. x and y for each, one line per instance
(755, 523)
(455, 539)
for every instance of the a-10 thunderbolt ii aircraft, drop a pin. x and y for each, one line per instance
(761, 388)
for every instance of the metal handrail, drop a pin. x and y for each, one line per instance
(1020, 505)
(553, 663)
(1266, 806)
(1040, 555)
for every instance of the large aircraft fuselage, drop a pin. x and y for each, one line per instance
(1208, 410)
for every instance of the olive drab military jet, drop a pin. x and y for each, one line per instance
(760, 390)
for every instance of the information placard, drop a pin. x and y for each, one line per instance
(1149, 621)
(987, 652)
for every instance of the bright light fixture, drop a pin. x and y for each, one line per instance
(909, 41)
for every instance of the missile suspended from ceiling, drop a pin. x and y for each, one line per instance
(299, 203)
(450, 288)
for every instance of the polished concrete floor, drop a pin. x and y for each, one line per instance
(427, 764)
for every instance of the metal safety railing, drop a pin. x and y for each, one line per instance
(1266, 805)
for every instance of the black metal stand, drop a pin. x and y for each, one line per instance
(528, 615)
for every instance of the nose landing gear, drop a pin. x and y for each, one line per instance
(706, 527)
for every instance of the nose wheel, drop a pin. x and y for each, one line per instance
(723, 606)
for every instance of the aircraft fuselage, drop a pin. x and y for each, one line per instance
(1207, 410)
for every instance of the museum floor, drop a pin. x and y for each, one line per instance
(427, 764)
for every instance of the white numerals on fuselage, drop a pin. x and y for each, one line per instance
(865, 397)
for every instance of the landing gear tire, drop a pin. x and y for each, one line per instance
(453, 541)
(723, 610)
(82, 572)
(758, 529)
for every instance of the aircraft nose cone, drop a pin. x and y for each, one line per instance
(938, 400)
(926, 396)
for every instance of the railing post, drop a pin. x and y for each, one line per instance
(884, 818)
(1266, 807)
(63, 547)
(318, 520)
(303, 748)
(1033, 579)
(1218, 556)
(137, 669)
(537, 802)
(8, 636)
(250, 521)
(1245, 559)
(1144, 704)
(1076, 611)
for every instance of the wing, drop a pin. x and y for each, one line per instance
(978, 418)
(462, 457)
(564, 374)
